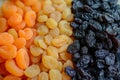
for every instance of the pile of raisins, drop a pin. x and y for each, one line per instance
(96, 48)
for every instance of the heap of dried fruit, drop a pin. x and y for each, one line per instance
(34, 36)
(95, 50)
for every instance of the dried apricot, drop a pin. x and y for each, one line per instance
(35, 51)
(60, 40)
(50, 62)
(11, 77)
(27, 33)
(30, 17)
(12, 68)
(32, 71)
(55, 74)
(3, 24)
(43, 76)
(8, 51)
(22, 58)
(9, 9)
(52, 51)
(20, 43)
(13, 32)
(14, 20)
(6, 38)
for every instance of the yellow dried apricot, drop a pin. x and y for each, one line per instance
(65, 28)
(32, 71)
(35, 51)
(43, 76)
(48, 39)
(42, 29)
(55, 74)
(60, 40)
(51, 23)
(52, 51)
(50, 62)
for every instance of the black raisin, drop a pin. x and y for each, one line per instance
(70, 71)
(110, 59)
(84, 50)
(100, 64)
(84, 61)
(101, 53)
(78, 34)
(95, 25)
(112, 71)
(74, 25)
(90, 39)
(74, 47)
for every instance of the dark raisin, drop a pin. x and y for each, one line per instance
(105, 5)
(95, 6)
(74, 47)
(109, 18)
(101, 53)
(84, 50)
(85, 75)
(89, 2)
(90, 39)
(110, 30)
(79, 5)
(100, 64)
(113, 2)
(112, 71)
(101, 75)
(78, 34)
(76, 56)
(101, 35)
(84, 25)
(74, 25)
(87, 8)
(95, 25)
(110, 59)
(77, 20)
(110, 44)
(70, 71)
(84, 61)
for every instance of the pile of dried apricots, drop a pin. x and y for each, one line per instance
(34, 36)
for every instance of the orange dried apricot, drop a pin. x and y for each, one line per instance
(30, 17)
(6, 38)
(22, 58)
(11, 77)
(12, 68)
(20, 43)
(3, 24)
(27, 33)
(8, 51)
(9, 9)
(14, 20)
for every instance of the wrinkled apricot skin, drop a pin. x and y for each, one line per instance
(6, 38)
(30, 18)
(11, 77)
(20, 43)
(27, 33)
(22, 58)
(8, 9)
(14, 20)
(12, 68)
(8, 51)
(3, 24)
